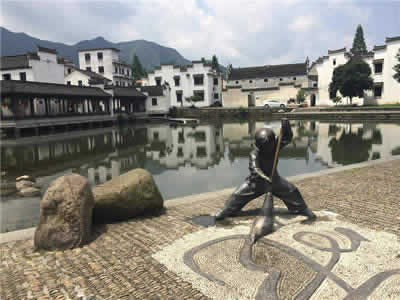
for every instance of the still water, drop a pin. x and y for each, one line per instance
(183, 160)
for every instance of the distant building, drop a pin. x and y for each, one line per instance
(106, 62)
(196, 79)
(381, 59)
(40, 66)
(158, 99)
(270, 82)
(85, 78)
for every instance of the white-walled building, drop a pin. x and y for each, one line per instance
(271, 82)
(40, 66)
(381, 59)
(158, 99)
(106, 62)
(186, 81)
(85, 78)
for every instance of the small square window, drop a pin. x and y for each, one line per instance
(378, 91)
(294, 78)
(154, 101)
(199, 94)
(69, 70)
(378, 68)
(68, 82)
(7, 76)
(179, 96)
(80, 82)
(87, 57)
(280, 79)
(266, 80)
(22, 76)
(88, 69)
(216, 96)
(334, 62)
(180, 152)
(237, 82)
(99, 55)
(101, 69)
(250, 81)
(156, 135)
(198, 79)
(215, 81)
(177, 81)
(158, 81)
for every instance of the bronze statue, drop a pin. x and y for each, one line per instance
(263, 179)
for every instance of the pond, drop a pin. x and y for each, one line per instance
(183, 160)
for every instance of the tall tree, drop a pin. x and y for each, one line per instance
(397, 68)
(359, 46)
(203, 60)
(137, 70)
(351, 79)
(214, 63)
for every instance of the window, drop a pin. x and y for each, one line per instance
(294, 78)
(69, 70)
(181, 138)
(216, 96)
(199, 94)
(201, 152)
(334, 61)
(237, 82)
(215, 81)
(180, 152)
(22, 76)
(7, 76)
(378, 67)
(177, 80)
(158, 81)
(280, 79)
(315, 84)
(116, 70)
(87, 57)
(80, 82)
(156, 135)
(127, 72)
(123, 71)
(265, 79)
(88, 69)
(179, 96)
(198, 79)
(101, 69)
(378, 91)
(100, 55)
(154, 101)
(68, 82)
(250, 81)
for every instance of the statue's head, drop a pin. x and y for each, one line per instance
(265, 141)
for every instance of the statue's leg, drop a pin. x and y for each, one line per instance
(249, 190)
(291, 196)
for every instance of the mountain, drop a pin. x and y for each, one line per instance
(150, 54)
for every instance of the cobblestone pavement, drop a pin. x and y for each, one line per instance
(120, 261)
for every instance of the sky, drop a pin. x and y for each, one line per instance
(241, 33)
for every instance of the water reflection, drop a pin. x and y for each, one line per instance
(183, 160)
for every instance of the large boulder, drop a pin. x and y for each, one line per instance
(65, 219)
(129, 195)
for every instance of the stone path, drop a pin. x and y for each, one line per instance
(352, 251)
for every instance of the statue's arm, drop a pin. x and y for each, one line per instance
(287, 133)
(254, 167)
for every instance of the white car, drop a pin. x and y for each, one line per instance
(268, 104)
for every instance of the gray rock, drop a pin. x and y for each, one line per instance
(25, 178)
(65, 219)
(29, 192)
(129, 195)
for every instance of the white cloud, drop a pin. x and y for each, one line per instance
(302, 24)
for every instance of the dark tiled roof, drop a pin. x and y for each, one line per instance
(131, 92)
(337, 51)
(392, 39)
(14, 62)
(381, 47)
(93, 76)
(48, 50)
(94, 49)
(153, 90)
(49, 89)
(268, 71)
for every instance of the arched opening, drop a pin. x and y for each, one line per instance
(313, 100)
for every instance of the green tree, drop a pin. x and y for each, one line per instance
(215, 64)
(351, 79)
(137, 70)
(397, 68)
(359, 46)
(301, 96)
(337, 100)
(203, 60)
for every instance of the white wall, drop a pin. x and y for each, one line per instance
(187, 86)
(47, 71)
(15, 74)
(163, 103)
(75, 76)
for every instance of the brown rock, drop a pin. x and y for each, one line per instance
(22, 184)
(65, 214)
(129, 195)
(29, 192)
